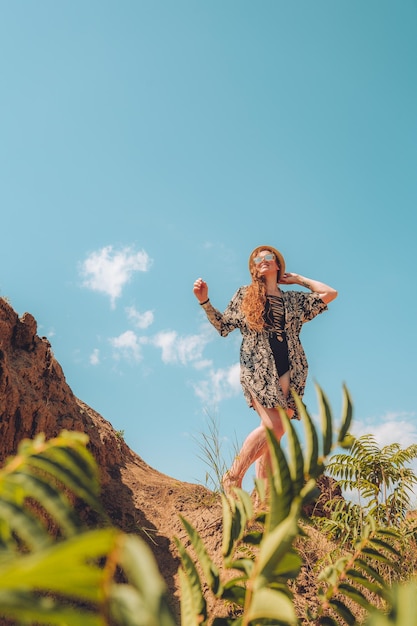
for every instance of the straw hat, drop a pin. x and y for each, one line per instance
(278, 256)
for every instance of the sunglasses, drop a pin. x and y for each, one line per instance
(266, 257)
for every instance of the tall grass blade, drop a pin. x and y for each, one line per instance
(343, 611)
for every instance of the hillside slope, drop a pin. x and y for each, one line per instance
(35, 398)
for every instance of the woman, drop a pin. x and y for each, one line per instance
(272, 360)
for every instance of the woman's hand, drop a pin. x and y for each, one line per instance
(290, 279)
(326, 293)
(200, 290)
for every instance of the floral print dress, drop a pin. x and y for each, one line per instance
(258, 372)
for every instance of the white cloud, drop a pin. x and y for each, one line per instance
(95, 357)
(203, 364)
(166, 341)
(108, 270)
(127, 345)
(141, 320)
(177, 349)
(50, 333)
(390, 428)
(220, 384)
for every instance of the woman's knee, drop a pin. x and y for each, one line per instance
(271, 418)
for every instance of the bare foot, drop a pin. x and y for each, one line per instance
(229, 481)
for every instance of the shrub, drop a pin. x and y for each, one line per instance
(76, 576)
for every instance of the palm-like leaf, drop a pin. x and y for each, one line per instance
(260, 587)
(68, 577)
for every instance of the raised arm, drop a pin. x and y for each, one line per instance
(225, 322)
(326, 293)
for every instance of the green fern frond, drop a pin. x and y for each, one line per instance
(68, 576)
(341, 609)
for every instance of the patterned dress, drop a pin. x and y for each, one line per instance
(258, 372)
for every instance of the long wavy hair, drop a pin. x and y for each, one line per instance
(253, 303)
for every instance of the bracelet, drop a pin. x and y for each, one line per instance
(205, 302)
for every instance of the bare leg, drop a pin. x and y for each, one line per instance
(263, 463)
(254, 446)
(284, 381)
(271, 418)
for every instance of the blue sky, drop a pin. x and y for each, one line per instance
(145, 144)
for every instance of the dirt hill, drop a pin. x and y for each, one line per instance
(35, 398)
